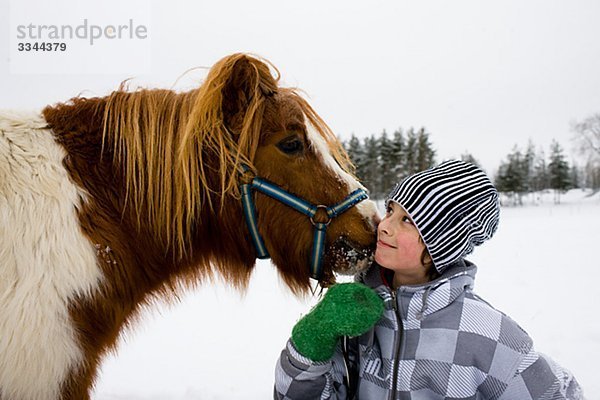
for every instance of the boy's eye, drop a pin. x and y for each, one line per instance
(406, 218)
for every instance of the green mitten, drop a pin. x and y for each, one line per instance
(347, 309)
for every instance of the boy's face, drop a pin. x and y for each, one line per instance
(398, 246)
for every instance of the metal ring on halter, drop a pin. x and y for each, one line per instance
(312, 221)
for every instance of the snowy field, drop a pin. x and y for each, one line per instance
(542, 268)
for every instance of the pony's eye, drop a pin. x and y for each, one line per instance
(291, 145)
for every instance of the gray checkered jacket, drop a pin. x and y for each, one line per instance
(434, 341)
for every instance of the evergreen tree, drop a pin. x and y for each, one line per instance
(398, 156)
(356, 153)
(539, 181)
(387, 163)
(425, 155)
(558, 171)
(371, 174)
(410, 153)
(510, 178)
(529, 167)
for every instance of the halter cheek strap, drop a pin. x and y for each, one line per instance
(300, 205)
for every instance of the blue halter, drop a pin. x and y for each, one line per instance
(300, 205)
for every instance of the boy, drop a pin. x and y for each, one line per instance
(419, 331)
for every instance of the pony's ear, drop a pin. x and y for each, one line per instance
(250, 79)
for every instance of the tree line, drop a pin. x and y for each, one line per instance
(523, 172)
(383, 160)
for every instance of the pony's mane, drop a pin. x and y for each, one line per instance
(177, 152)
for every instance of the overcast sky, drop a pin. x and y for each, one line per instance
(481, 76)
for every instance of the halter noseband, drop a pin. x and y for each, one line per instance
(300, 205)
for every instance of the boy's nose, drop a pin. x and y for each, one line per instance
(382, 227)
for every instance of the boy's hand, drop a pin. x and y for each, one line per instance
(347, 309)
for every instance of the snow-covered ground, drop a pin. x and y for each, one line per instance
(542, 268)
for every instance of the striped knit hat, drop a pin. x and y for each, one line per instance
(454, 206)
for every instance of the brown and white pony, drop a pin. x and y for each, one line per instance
(108, 202)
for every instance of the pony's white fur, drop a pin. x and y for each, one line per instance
(45, 260)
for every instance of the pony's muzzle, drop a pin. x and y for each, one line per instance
(347, 257)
